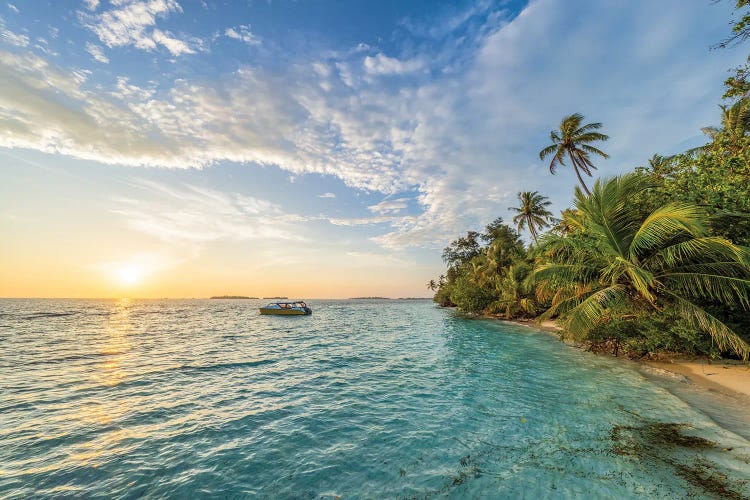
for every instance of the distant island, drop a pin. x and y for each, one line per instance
(388, 298)
(232, 297)
(275, 297)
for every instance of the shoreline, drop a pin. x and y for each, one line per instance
(727, 377)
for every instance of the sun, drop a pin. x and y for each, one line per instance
(129, 275)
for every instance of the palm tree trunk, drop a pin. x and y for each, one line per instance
(580, 179)
(533, 231)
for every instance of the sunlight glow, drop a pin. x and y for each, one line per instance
(129, 275)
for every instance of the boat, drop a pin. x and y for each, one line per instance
(286, 309)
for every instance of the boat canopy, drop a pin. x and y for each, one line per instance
(286, 305)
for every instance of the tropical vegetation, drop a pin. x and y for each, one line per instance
(654, 260)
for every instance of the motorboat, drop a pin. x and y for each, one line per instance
(286, 309)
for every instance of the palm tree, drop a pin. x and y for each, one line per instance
(513, 298)
(431, 285)
(628, 263)
(735, 122)
(574, 140)
(532, 213)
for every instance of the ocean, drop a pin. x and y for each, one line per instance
(363, 399)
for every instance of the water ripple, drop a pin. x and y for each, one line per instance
(393, 399)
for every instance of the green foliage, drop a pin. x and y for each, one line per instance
(738, 85)
(649, 334)
(443, 296)
(714, 177)
(471, 295)
(462, 250)
(630, 262)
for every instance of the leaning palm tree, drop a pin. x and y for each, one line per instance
(627, 263)
(574, 140)
(532, 213)
(431, 285)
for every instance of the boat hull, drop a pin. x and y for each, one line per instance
(283, 312)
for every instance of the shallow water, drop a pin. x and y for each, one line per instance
(394, 399)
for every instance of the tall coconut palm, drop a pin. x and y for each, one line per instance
(532, 212)
(628, 263)
(431, 285)
(574, 140)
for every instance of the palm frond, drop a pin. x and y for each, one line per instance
(720, 333)
(595, 151)
(584, 317)
(590, 137)
(664, 224)
(707, 249)
(589, 127)
(563, 273)
(715, 287)
(544, 153)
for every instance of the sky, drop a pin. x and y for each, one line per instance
(315, 148)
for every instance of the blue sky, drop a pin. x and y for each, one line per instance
(316, 148)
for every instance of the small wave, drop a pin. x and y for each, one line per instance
(44, 315)
(72, 357)
(226, 366)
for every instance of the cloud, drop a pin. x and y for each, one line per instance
(327, 195)
(13, 8)
(390, 206)
(466, 140)
(17, 39)
(132, 23)
(360, 221)
(91, 4)
(381, 64)
(97, 53)
(243, 34)
(196, 215)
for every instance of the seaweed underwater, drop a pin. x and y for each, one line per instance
(646, 444)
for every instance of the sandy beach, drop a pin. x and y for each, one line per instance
(724, 375)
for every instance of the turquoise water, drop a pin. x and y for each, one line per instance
(390, 399)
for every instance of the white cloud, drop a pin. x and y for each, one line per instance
(191, 214)
(175, 46)
(13, 8)
(96, 52)
(17, 39)
(390, 206)
(243, 34)
(380, 64)
(327, 195)
(360, 221)
(132, 23)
